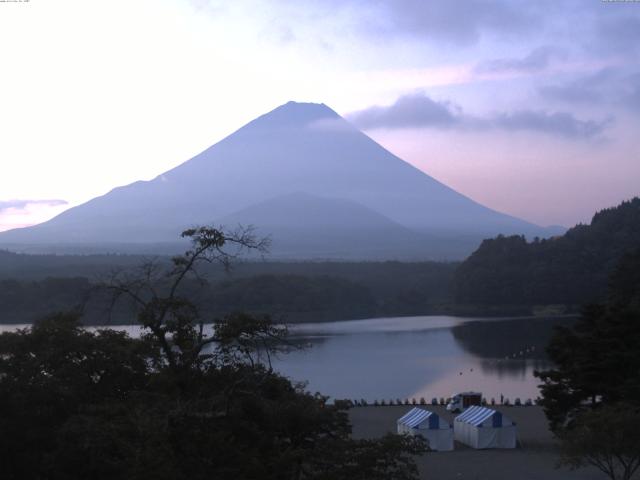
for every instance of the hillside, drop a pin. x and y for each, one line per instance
(296, 149)
(571, 269)
(34, 285)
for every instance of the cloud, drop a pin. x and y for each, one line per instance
(418, 110)
(22, 204)
(452, 22)
(619, 32)
(440, 20)
(412, 110)
(609, 86)
(536, 61)
(594, 25)
(558, 123)
(585, 89)
(632, 97)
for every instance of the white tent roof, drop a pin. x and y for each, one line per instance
(477, 415)
(416, 416)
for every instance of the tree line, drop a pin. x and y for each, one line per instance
(504, 276)
(592, 394)
(571, 270)
(179, 402)
(363, 291)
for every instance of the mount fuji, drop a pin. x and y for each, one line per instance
(301, 174)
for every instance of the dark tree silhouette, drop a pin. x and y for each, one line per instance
(173, 320)
(181, 402)
(607, 438)
(571, 269)
(592, 395)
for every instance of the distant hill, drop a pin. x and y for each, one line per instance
(32, 286)
(304, 225)
(571, 269)
(298, 155)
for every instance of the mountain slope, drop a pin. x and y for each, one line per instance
(308, 226)
(571, 269)
(295, 148)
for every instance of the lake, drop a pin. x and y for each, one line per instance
(428, 356)
(414, 357)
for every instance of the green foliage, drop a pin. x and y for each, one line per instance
(624, 281)
(570, 270)
(181, 402)
(295, 295)
(81, 405)
(298, 292)
(592, 396)
(598, 359)
(607, 438)
(48, 374)
(21, 302)
(389, 457)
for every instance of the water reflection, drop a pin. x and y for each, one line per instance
(519, 338)
(414, 357)
(422, 357)
(372, 363)
(512, 368)
(510, 347)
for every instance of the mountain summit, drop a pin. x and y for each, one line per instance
(298, 154)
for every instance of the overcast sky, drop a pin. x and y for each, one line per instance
(529, 107)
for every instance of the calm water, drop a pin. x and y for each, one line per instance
(413, 357)
(430, 356)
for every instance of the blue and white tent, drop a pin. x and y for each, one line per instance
(428, 424)
(482, 427)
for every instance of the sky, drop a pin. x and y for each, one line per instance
(531, 108)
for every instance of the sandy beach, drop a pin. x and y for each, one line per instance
(534, 459)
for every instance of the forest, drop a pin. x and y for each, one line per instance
(504, 276)
(568, 270)
(176, 403)
(32, 286)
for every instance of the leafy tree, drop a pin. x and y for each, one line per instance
(592, 395)
(182, 402)
(571, 269)
(597, 360)
(301, 291)
(48, 373)
(624, 281)
(607, 438)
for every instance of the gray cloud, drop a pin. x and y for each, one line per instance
(22, 204)
(594, 27)
(608, 86)
(454, 22)
(586, 89)
(440, 20)
(536, 61)
(412, 110)
(418, 110)
(632, 97)
(619, 31)
(558, 123)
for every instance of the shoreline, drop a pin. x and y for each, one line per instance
(467, 317)
(534, 458)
